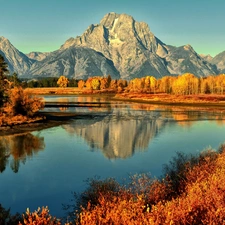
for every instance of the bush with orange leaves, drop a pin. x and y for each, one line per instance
(20, 107)
(39, 217)
(195, 195)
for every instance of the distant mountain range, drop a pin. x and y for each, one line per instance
(119, 46)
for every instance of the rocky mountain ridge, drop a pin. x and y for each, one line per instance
(119, 46)
(16, 60)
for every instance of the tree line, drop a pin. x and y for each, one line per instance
(185, 84)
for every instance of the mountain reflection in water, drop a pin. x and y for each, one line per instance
(120, 133)
(17, 148)
(123, 131)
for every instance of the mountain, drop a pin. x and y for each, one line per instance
(129, 44)
(119, 46)
(38, 56)
(219, 61)
(109, 132)
(207, 58)
(136, 51)
(17, 61)
(184, 59)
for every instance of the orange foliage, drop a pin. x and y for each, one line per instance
(199, 198)
(20, 107)
(39, 217)
(81, 84)
(63, 81)
(20, 103)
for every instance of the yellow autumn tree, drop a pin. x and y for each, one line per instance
(220, 83)
(63, 81)
(147, 83)
(95, 83)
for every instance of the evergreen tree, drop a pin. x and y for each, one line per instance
(3, 81)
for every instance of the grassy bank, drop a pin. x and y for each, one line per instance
(200, 100)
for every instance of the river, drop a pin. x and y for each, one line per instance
(106, 139)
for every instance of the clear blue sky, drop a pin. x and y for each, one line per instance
(44, 25)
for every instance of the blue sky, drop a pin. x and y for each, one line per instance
(44, 25)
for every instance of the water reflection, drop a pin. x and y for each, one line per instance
(15, 149)
(125, 131)
(78, 104)
(119, 134)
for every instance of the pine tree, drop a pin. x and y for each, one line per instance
(3, 82)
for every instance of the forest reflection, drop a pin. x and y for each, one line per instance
(128, 130)
(15, 149)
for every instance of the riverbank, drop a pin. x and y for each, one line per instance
(167, 99)
(67, 91)
(44, 121)
(158, 98)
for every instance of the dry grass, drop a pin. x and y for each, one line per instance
(174, 99)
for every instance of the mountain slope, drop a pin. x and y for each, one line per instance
(16, 60)
(184, 59)
(37, 56)
(76, 62)
(219, 61)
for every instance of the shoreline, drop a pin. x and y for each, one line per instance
(157, 98)
(174, 100)
(52, 119)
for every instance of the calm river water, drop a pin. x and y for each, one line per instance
(107, 139)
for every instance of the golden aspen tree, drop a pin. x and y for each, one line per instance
(63, 81)
(212, 84)
(81, 84)
(153, 83)
(95, 83)
(147, 83)
(220, 83)
(113, 84)
(88, 83)
(104, 83)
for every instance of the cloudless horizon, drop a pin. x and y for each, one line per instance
(45, 25)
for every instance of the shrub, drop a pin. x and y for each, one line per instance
(20, 103)
(193, 192)
(40, 217)
(91, 196)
